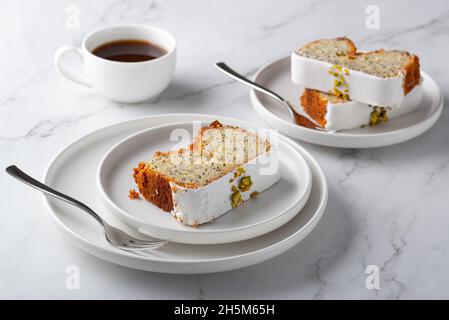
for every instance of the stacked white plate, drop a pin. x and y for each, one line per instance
(97, 169)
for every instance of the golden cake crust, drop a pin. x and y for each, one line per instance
(154, 187)
(315, 105)
(412, 74)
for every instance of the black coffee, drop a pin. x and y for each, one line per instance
(129, 51)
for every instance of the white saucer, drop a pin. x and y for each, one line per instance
(276, 76)
(273, 208)
(73, 171)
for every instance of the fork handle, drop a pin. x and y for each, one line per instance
(242, 79)
(23, 177)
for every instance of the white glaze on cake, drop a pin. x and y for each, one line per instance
(365, 88)
(204, 204)
(353, 114)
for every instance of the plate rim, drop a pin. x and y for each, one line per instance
(303, 199)
(90, 246)
(429, 121)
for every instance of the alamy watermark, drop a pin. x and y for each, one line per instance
(372, 21)
(72, 21)
(372, 281)
(224, 146)
(72, 281)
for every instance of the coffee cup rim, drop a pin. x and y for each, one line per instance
(152, 28)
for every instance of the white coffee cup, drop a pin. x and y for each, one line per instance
(128, 82)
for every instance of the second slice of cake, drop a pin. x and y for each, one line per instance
(219, 171)
(338, 113)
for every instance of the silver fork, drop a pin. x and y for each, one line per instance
(114, 236)
(223, 67)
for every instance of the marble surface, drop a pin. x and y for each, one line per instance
(388, 206)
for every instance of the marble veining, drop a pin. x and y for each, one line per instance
(387, 206)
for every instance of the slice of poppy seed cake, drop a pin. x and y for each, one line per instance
(218, 172)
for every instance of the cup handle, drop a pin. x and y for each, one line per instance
(62, 70)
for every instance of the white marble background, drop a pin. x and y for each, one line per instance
(387, 206)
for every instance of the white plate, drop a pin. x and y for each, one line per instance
(74, 169)
(276, 76)
(273, 208)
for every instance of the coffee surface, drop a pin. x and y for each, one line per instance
(129, 51)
